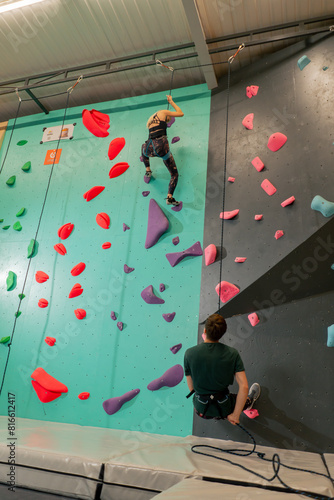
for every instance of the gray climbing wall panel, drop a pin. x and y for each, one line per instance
(286, 352)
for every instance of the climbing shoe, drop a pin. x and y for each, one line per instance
(254, 393)
(172, 201)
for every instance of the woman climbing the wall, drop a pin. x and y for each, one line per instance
(157, 145)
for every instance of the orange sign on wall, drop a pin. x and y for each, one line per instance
(52, 157)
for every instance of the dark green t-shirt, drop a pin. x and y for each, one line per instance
(212, 366)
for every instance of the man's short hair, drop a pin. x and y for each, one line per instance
(215, 327)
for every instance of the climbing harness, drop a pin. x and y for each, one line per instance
(150, 141)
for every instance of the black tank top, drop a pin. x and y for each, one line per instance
(158, 130)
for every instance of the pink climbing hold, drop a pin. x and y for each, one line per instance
(42, 303)
(229, 215)
(169, 317)
(268, 187)
(84, 395)
(59, 247)
(103, 220)
(78, 269)
(115, 147)
(248, 121)
(149, 296)
(258, 217)
(125, 227)
(93, 192)
(251, 413)
(80, 313)
(258, 164)
(249, 92)
(226, 290)
(175, 348)
(253, 319)
(240, 259)
(118, 169)
(76, 291)
(50, 341)
(276, 141)
(65, 231)
(210, 254)
(279, 233)
(252, 90)
(113, 315)
(106, 245)
(231, 179)
(120, 325)
(157, 224)
(170, 378)
(41, 277)
(289, 201)
(113, 405)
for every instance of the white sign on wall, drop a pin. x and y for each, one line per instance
(53, 133)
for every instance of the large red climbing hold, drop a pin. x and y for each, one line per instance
(76, 270)
(96, 122)
(60, 248)
(41, 277)
(248, 121)
(229, 215)
(93, 192)
(103, 220)
(76, 291)
(226, 290)
(210, 254)
(268, 187)
(118, 169)
(115, 147)
(65, 230)
(47, 387)
(276, 141)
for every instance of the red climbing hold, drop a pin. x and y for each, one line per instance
(47, 387)
(276, 141)
(50, 340)
(228, 215)
(80, 313)
(226, 290)
(43, 303)
(65, 231)
(258, 217)
(253, 319)
(287, 202)
(210, 254)
(97, 123)
(76, 291)
(240, 259)
(93, 192)
(84, 395)
(268, 187)
(41, 277)
(60, 249)
(106, 245)
(248, 121)
(103, 220)
(76, 270)
(258, 164)
(118, 169)
(251, 413)
(115, 147)
(231, 179)
(43, 395)
(279, 233)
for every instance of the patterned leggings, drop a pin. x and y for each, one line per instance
(157, 148)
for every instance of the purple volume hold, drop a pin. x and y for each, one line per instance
(194, 251)
(113, 405)
(157, 224)
(149, 296)
(170, 378)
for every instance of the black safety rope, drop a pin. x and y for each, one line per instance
(275, 460)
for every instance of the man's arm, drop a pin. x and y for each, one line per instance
(190, 383)
(242, 382)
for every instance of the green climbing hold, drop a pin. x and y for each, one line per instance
(22, 143)
(20, 212)
(4, 340)
(21, 296)
(11, 281)
(6, 227)
(1, 220)
(32, 248)
(17, 314)
(11, 180)
(26, 166)
(17, 226)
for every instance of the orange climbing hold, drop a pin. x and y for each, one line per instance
(226, 290)
(115, 147)
(65, 230)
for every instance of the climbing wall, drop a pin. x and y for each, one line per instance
(108, 340)
(287, 282)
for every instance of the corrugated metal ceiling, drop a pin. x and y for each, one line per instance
(59, 34)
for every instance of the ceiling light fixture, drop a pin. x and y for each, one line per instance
(16, 4)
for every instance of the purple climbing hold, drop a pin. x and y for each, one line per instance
(194, 251)
(176, 240)
(157, 224)
(147, 179)
(120, 325)
(175, 348)
(128, 269)
(171, 121)
(162, 287)
(145, 193)
(113, 315)
(149, 296)
(178, 207)
(125, 227)
(175, 139)
(170, 378)
(169, 317)
(112, 405)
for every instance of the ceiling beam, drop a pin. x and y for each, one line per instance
(198, 37)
